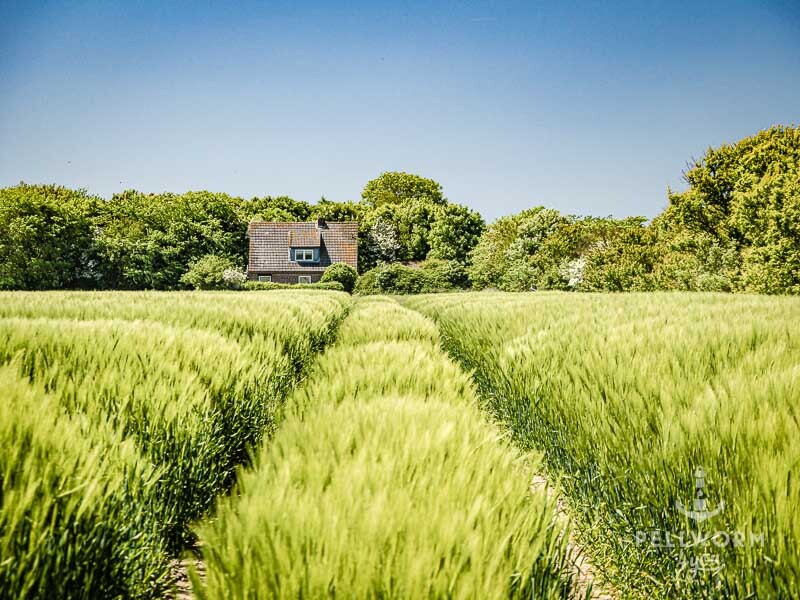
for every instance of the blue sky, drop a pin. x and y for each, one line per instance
(591, 108)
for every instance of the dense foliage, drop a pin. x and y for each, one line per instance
(736, 228)
(627, 396)
(46, 238)
(55, 238)
(405, 219)
(432, 275)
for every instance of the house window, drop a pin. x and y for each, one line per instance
(303, 254)
(265, 277)
(304, 279)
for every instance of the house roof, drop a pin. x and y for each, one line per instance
(270, 243)
(302, 238)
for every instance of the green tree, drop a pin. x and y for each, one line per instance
(502, 256)
(768, 217)
(455, 232)
(735, 228)
(46, 238)
(541, 247)
(487, 260)
(530, 261)
(388, 235)
(413, 220)
(399, 188)
(148, 241)
(545, 242)
(280, 208)
(337, 211)
(691, 260)
(619, 258)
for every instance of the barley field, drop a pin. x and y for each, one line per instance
(627, 396)
(124, 415)
(386, 481)
(308, 444)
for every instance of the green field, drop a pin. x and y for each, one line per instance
(310, 444)
(124, 415)
(626, 396)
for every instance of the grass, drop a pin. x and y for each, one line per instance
(384, 480)
(187, 384)
(626, 395)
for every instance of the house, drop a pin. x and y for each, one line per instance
(300, 252)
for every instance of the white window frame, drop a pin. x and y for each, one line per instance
(303, 255)
(265, 278)
(304, 279)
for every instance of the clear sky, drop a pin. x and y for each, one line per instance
(591, 107)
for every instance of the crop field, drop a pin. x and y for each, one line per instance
(124, 415)
(385, 481)
(628, 396)
(309, 444)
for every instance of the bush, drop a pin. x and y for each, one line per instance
(234, 278)
(334, 286)
(367, 283)
(212, 272)
(391, 279)
(342, 273)
(444, 274)
(433, 275)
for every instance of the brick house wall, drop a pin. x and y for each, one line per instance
(284, 277)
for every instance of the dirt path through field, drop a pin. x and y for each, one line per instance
(583, 571)
(180, 575)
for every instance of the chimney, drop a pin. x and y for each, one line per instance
(321, 223)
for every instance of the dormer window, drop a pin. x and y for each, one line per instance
(303, 255)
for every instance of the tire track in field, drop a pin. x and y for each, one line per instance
(584, 571)
(385, 480)
(192, 560)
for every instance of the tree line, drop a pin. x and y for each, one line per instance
(735, 228)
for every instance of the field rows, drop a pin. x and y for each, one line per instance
(628, 396)
(384, 468)
(384, 480)
(124, 416)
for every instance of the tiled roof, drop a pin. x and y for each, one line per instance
(270, 243)
(303, 238)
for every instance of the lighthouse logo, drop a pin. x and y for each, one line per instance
(700, 550)
(701, 510)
